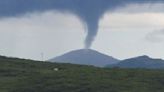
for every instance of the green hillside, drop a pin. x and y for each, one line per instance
(19, 75)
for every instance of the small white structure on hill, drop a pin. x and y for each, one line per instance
(56, 69)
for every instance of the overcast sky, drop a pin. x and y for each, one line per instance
(121, 34)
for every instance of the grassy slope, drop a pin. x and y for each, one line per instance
(18, 75)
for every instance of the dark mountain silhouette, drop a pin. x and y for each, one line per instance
(86, 57)
(140, 62)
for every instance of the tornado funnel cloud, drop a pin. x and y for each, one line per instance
(92, 29)
(89, 11)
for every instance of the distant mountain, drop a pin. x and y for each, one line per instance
(86, 57)
(140, 62)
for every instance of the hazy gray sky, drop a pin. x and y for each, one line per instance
(121, 34)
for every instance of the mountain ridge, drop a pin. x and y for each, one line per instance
(140, 62)
(85, 57)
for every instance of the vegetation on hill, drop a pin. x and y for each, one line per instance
(19, 75)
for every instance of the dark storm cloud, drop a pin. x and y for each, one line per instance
(89, 11)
